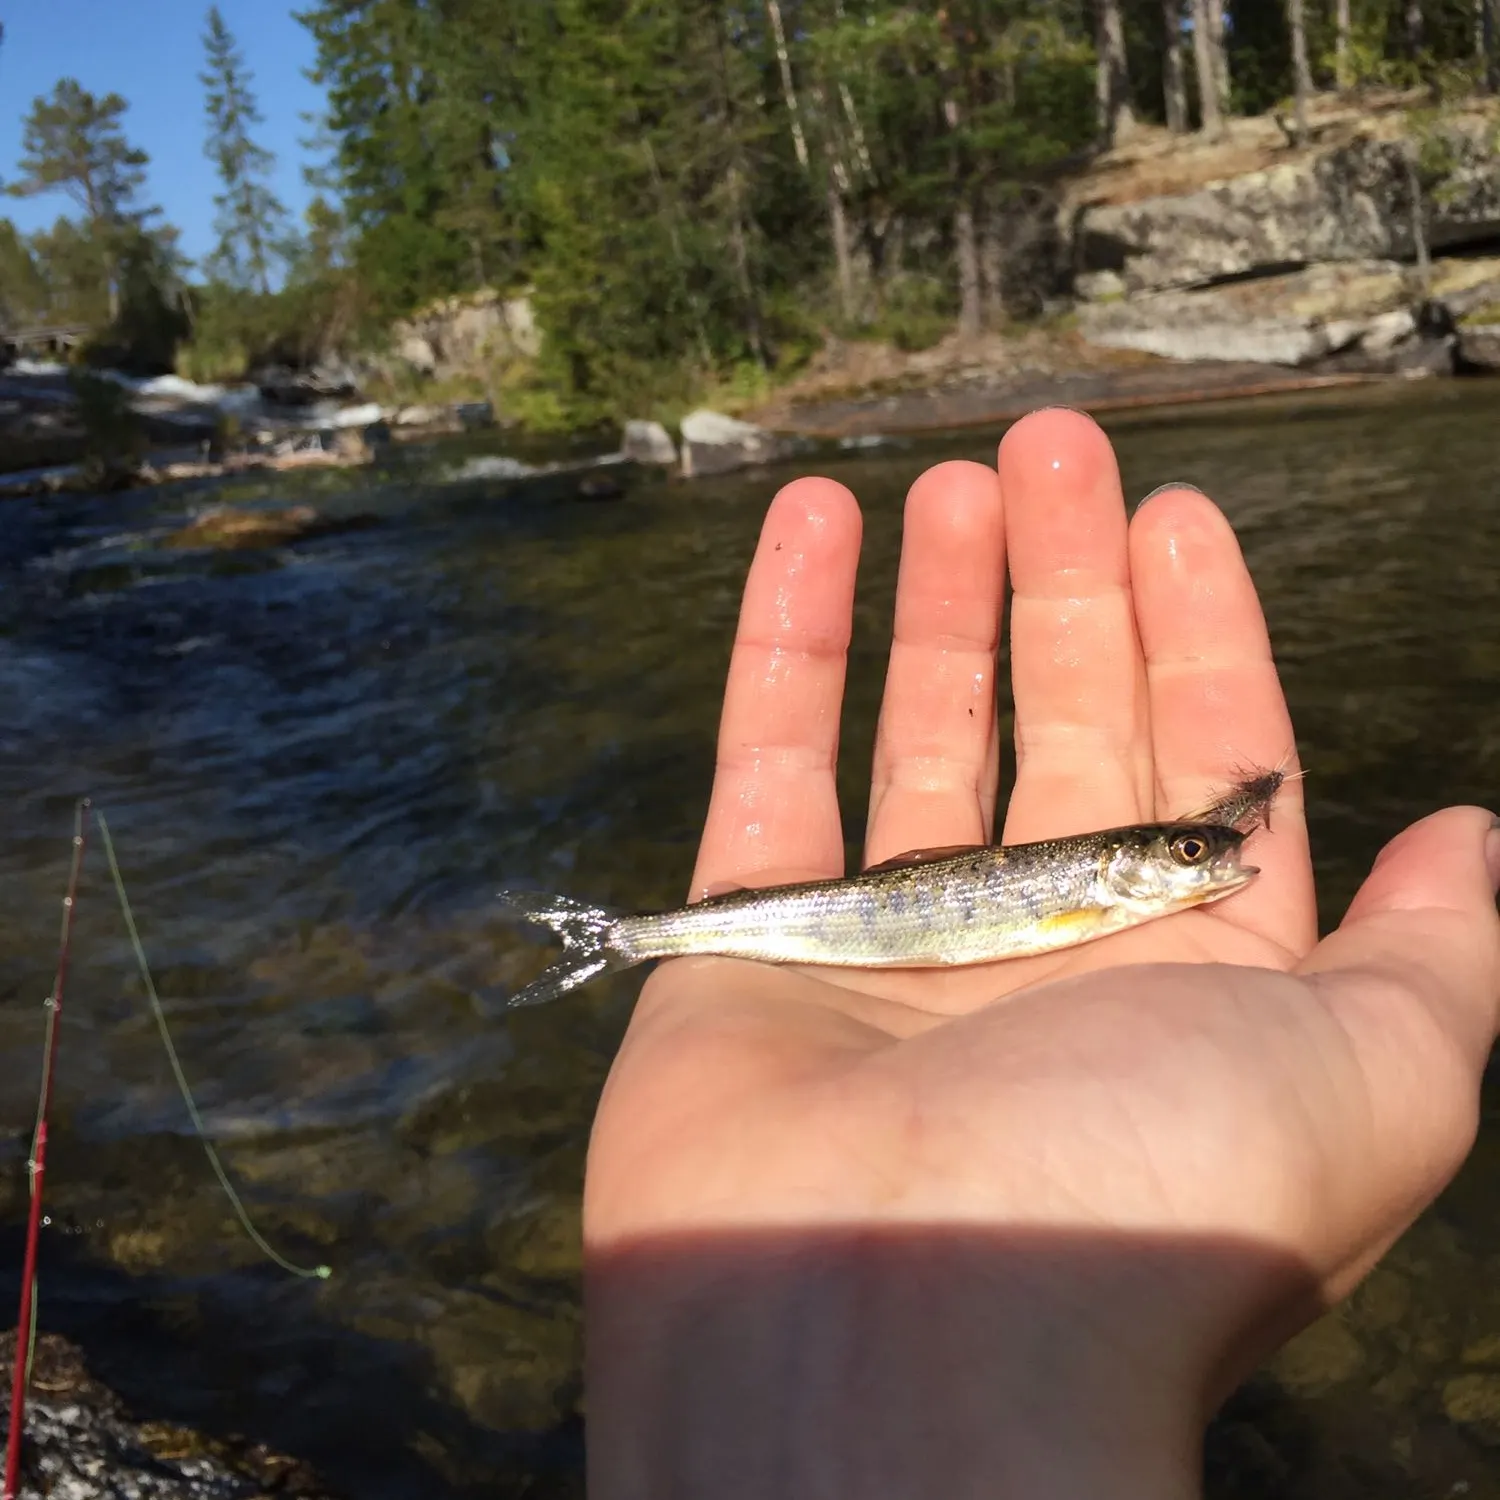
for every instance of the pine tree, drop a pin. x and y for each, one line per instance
(72, 143)
(251, 221)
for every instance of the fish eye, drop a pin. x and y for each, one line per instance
(1189, 849)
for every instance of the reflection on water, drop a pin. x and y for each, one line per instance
(317, 765)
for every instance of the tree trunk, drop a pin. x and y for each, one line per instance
(1415, 27)
(1211, 117)
(843, 258)
(1220, 54)
(1489, 24)
(992, 267)
(739, 247)
(966, 253)
(1112, 80)
(1419, 222)
(789, 92)
(1173, 77)
(1301, 72)
(1341, 69)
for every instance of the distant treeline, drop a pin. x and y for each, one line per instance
(691, 191)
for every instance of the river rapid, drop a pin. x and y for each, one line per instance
(318, 762)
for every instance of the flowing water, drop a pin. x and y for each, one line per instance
(319, 761)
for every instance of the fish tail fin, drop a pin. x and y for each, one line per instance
(587, 949)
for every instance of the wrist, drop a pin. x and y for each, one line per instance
(889, 1367)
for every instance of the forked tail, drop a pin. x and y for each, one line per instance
(587, 950)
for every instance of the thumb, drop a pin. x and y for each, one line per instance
(1425, 918)
(1413, 976)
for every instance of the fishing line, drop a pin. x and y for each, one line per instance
(321, 1273)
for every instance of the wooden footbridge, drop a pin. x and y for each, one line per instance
(33, 343)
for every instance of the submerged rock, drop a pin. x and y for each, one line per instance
(227, 528)
(82, 1444)
(224, 526)
(1473, 1402)
(714, 444)
(492, 466)
(648, 443)
(1322, 1356)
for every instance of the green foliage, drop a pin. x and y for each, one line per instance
(235, 331)
(251, 220)
(23, 283)
(72, 142)
(113, 439)
(664, 180)
(917, 312)
(150, 315)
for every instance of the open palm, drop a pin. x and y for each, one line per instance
(1217, 1073)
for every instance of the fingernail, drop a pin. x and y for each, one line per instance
(1176, 484)
(1077, 411)
(1492, 853)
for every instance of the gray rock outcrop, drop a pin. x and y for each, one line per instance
(714, 444)
(1376, 316)
(1356, 201)
(648, 443)
(1298, 318)
(466, 335)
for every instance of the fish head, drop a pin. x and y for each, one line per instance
(1161, 867)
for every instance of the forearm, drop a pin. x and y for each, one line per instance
(780, 1367)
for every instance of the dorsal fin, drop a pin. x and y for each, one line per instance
(719, 888)
(929, 856)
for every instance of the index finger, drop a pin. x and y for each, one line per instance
(774, 807)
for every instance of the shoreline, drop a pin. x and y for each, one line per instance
(912, 403)
(949, 407)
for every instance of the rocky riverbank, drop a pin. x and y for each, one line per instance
(1167, 270)
(82, 1443)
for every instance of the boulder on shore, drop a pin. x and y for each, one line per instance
(648, 443)
(1374, 316)
(1479, 347)
(714, 444)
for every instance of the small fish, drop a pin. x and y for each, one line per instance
(968, 904)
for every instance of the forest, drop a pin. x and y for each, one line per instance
(689, 193)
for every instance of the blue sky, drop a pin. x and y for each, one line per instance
(151, 52)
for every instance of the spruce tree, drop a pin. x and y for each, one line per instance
(251, 221)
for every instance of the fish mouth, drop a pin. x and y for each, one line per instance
(1229, 878)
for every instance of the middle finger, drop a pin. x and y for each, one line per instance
(935, 755)
(1083, 748)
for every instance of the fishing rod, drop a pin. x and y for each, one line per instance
(37, 1162)
(36, 1165)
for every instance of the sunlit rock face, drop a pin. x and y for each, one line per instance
(1354, 202)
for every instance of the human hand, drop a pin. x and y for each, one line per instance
(1014, 1228)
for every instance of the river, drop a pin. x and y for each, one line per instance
(319, 762)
